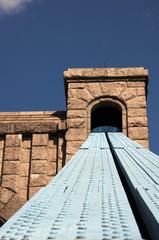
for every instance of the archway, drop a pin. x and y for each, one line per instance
(107, 114)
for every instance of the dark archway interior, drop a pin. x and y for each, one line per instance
(106, 115)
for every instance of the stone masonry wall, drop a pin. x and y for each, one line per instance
(88, 87)
(32, 151)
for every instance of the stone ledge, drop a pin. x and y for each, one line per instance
(84, 73)
(27, 127)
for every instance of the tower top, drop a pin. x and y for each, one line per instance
(90, 73)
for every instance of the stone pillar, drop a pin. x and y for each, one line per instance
(1, 153)
(52, 158)
(11, 164)
(25, 166)
(39, 161)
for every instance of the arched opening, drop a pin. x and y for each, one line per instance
(107, 114)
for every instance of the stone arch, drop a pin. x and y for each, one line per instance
(111, 101)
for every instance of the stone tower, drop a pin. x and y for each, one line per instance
(105, 96)
(34, 146)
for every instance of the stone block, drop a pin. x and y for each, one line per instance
(94, 89)
(40, 140)
(11, 207)
(23, 195)
(76, 114)
(137, 121)
(87, 73)
(112, 89)
(138, 133)
(11, 182)
(11, 167)
(51, 154)
(26, 143)
(73, 146)
(33, 190)
(27, 127)
(140, 91)
(75, 103)
(39, 153)
(76, 123)
(37, 180)
(5, 195)
(136, 84)
(76, 85)
(129, 93)
(51, 168)
(39, 166)
(76, 134)
(137, 112)
(25, 155)
(81, 94)
(24, 169)
(23, 183)
(12, 153)
(137, 102)
(13, 140)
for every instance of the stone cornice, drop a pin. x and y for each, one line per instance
(27, 127)
(106, 73)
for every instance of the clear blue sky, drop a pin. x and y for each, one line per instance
(44, 37)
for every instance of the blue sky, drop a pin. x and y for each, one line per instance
(39, 39)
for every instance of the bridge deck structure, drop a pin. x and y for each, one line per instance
(88, 200)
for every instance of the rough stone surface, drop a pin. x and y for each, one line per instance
(76, 123)
(77, 73)
(5, 195)
(33, 190)
(137, 121)
(40, 153)
(13, 140)
(138, 133)
(76, 104)
(137, 102)
(28, 127)
(11, 168)
(39, 166)
(11, 182)
(40, 140)
(37, 180)
(12, 154)
(11, 207)
(25, 155)
(76, 134)
(24, 169)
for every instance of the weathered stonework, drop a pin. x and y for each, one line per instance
(34, 146)
(29, 152)
(86, 88)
